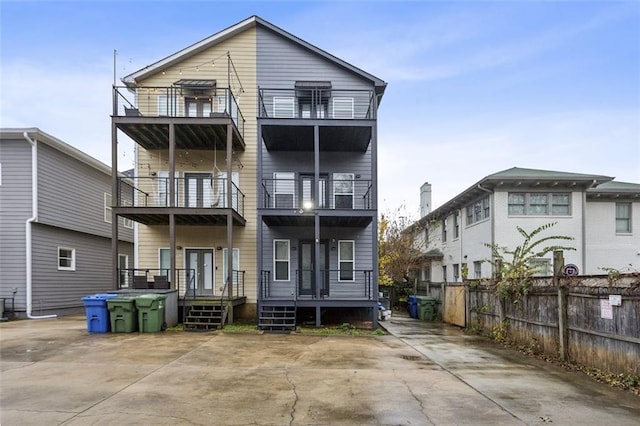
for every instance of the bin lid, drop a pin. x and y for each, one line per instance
(120, 300)
(148, 300)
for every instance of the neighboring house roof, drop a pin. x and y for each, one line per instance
(181, 55)
(516, 176)
(42, 137)
(613, 189)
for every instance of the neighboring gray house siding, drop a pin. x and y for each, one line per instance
(56, 290)
(15, 209)
(71, 194)
(70, 214)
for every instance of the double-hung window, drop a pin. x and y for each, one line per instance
(478, 211)
(281, 260)
(539, 203)
(283, 189)
(477, 269)
(623, 218)
(343, 108)
(283, 107)
(66, 259)
(346, 260)
(107, 207)
(456, 225)
(343, 184)
(444, 229)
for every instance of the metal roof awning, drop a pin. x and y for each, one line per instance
(313, 85)
(196, 84)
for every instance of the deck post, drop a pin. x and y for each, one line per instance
(229, 277)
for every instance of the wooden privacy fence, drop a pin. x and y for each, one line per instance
(592, 320)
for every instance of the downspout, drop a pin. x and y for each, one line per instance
(28, 224)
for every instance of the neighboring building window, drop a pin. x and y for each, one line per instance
(539, 203)
(236, 265)
(281, 260)
(541, 267)
(456, 272)
(66, 259)
(477, 270)
(478, 211)
(128, 223)
(444, 273)
(346, 260)
(623, 218)
(456, 225)
(426, 274)
(444, 229)
(107, 207)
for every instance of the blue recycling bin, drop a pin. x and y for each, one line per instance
(97, 313)
(413, 306)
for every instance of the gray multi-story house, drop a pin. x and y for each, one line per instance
(256, 154)
(55, 230)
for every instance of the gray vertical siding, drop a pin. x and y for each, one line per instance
(71, 194)
(15, 209)
(53, 289)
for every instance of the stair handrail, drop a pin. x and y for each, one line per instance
(190, 283)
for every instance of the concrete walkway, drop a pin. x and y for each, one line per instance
(55, 373)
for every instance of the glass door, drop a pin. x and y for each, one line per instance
(307, 270)
(200, 264)
(199, 190)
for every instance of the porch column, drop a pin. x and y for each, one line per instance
(114, 217)
(229, 277)
(374, 220)
(316, 261)
(172, 199)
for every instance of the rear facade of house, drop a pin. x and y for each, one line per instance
(55, 229)
(256, 154)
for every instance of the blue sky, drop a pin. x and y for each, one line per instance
(474, 87)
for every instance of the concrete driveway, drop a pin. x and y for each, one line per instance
(54, 372)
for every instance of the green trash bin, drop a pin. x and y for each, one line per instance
(151, 313)
(122, 313)
(426, 308)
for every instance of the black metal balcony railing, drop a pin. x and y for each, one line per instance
(332, 194)
(316, 104)
(333, 284)
(178, 101)
(202, 192)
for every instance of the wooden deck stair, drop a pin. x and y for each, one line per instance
(277, 319)
(205, 316)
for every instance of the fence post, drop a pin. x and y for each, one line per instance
(563, 337)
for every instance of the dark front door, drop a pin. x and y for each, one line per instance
(200, 271)
(307, 271)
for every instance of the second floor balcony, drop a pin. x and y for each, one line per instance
(197, 199)
(198, 109)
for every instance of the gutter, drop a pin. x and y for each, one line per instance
(28, 224)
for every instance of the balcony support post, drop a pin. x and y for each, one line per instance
(115, 196)
(172, 201)
(229, 276)
(316, 181)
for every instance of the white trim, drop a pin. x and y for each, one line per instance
(353, 260)
(126, 277)
(288, 260)
(107, 207)
(351, 179)
(73, 259)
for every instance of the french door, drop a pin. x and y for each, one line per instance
(200, 267)
(307, 276)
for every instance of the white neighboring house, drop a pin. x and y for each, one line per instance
(596, 211)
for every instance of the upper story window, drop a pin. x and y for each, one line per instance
(313, 98)
(107, 207)
(623, 218)
(444, 229)
(539, 203)
(478, 211)
(477, 269)
(456, 225)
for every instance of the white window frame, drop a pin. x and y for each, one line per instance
(127, 223)
(444, 229)
(236, 264)
(456, 225)
(164, 174)
(284, 107)
(528, 204)
(107, 207)
(352, 261)
(72, 267)
(627, 219)
(162, 270)
(456, 272)
(126, 274)
(477, 269)
(342, 108)
(478, 211)
(276, 260)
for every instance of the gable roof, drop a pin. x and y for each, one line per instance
(253, 21)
